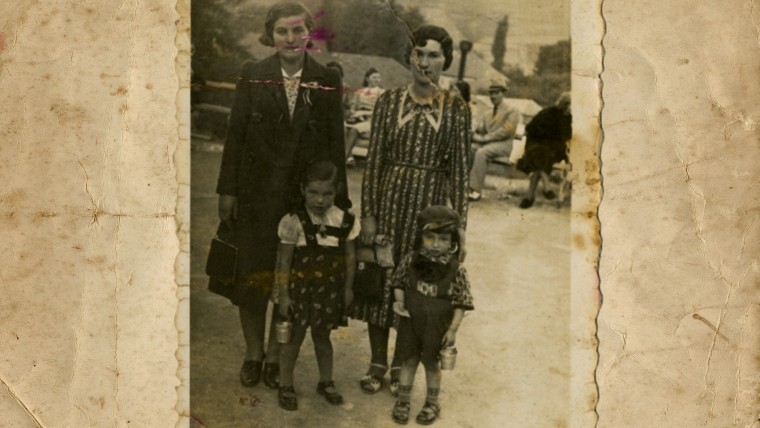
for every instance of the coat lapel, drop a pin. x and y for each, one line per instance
(311, 73)
(272, 76)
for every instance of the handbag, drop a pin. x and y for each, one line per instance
(369, 280)
(221, 264)
(372, 264)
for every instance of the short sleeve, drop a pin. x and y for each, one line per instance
(400, 278)
(355, 229)
(289, 229)
(461, 297)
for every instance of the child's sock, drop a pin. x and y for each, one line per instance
(432, 395)
(405, 393)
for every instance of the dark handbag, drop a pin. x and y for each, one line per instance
(369, 280)
(221, 264)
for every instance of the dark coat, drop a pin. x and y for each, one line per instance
(266, 153)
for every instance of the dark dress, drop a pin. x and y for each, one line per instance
(317, 276)
(546, 144)
(418, 156)
(264, 155)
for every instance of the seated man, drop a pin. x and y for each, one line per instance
(494, 136)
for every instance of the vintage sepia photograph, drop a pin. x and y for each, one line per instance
(381, 213)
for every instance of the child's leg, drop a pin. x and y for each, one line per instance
(433, 380)
(324, 351)
(289, 355)
(406, 379)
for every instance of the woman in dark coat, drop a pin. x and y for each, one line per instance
(286, 114)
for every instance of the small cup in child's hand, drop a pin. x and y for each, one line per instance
(398, 308)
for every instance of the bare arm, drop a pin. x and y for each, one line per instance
(282, 275)
(451, 334)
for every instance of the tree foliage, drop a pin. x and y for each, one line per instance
(215, 35)
(369, 27)
(550, 78)
(499, 47)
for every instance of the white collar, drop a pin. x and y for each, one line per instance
(296, 75)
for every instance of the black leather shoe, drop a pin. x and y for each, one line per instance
(271, 375)
(250, 373)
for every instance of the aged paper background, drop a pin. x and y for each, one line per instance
(678, 327)
(93, 214)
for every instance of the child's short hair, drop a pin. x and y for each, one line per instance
(321, 171)
(438, 219)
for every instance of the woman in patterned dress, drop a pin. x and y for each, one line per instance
(418, 156)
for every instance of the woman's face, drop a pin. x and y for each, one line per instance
(290, 36)
(427, 62)
(374, 80)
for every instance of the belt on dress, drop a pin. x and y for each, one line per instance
(411, 165)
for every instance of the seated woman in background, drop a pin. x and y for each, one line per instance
(363, 103)
(547, 136)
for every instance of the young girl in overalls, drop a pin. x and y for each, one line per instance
(314, 276)
(432, 293)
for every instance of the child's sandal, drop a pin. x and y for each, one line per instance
(327, 390)
(428, 414)
(401, 412)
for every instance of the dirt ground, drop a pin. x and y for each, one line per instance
(514, 357)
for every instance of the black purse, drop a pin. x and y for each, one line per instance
(369, 281)
(221, 265)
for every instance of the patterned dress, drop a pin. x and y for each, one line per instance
(418, 156)
(317, 274)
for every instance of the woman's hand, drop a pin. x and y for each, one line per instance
(228, 209)
(369, 230)
(449, 338)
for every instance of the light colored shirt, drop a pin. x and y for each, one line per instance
(291, 232)
(291, 88)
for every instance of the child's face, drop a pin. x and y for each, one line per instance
(436, 244)
(319, 195)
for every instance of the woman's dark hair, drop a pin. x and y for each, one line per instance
(321, 171)
(336, 65)
(283, 10)
(422, 34)
(370, 72)
(464, 89)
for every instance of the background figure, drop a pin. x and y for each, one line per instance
(417, 157)
(547, 135)
(493, 136)
(362, 105)
(275, 131)
(346, 98)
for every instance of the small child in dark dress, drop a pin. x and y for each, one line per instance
(314, 275)
(432, 293)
